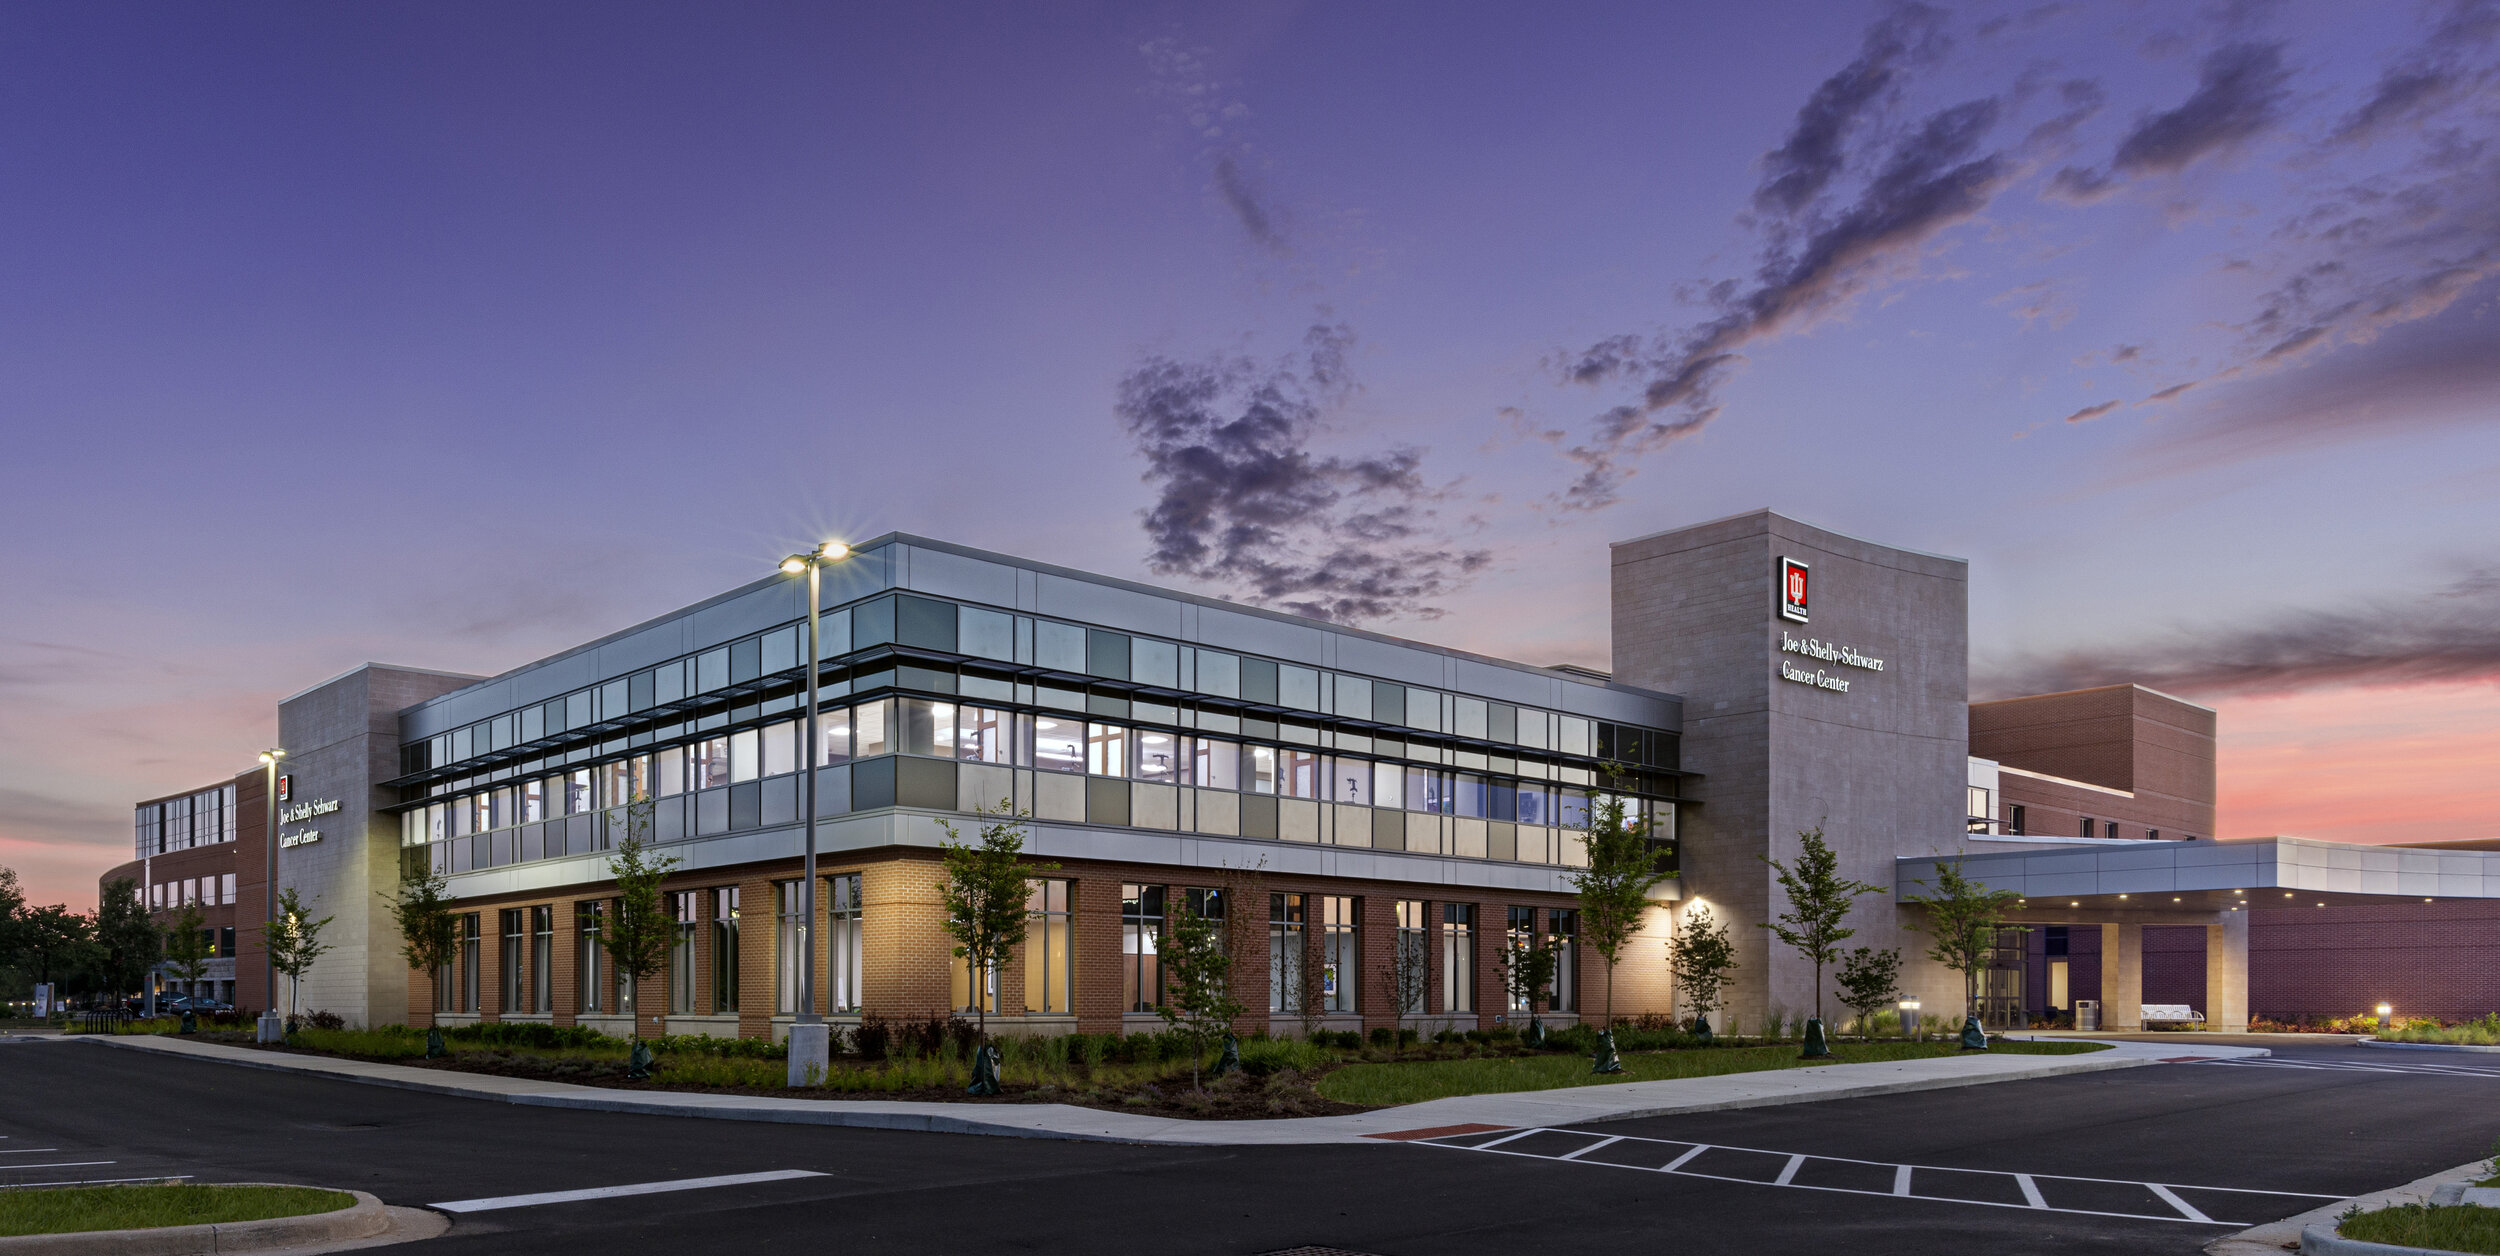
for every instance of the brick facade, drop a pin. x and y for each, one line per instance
(907, 965)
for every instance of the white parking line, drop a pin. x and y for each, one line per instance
(28, 1151)
(2171, 1205)
(73, 1164)
(2171, 1198)
(612, 1192)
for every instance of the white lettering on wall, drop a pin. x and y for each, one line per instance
(1818, 678)
(1812, 648)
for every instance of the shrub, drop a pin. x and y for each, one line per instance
(322, 1020)
(530, 1034)
(873, 1039)
(1383, 1036)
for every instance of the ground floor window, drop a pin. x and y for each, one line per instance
(1458, 957)
(685, 907)
(1141, 953)
(465, 998)
(1049, 949)
(542, 959)
(590, 994)
(1518, 936)
(1287, 925)
(1341, 951)
(789, 944)
(725, 949)
(515, 970)
(1410, 962)
(1562, 929)
(843, 937)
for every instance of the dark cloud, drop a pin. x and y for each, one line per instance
(2436, 373)
(1816, 151)
(2089, 413)
(1238, 196)
(2433, 75)
(2450, 635)
(1929, 180)
(1244, 503)
(2239, 92)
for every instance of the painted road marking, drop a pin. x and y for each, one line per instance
(612, 1192)
(2171, 1198)
(2418, 1068)
(28, 1151)
(2162, 1201)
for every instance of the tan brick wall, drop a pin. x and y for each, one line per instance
(906, 965)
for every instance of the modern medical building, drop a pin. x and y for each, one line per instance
(1332, 793)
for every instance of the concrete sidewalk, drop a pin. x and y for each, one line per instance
(1567, 1106)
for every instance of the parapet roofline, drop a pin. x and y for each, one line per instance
(2064, 693)
(388, 667)
(1803, 523)
(1136, 586)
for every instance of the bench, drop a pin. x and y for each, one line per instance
(2179, 1012)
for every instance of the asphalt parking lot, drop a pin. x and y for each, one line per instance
(2065, 1164)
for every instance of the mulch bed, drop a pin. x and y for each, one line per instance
(1237, 1097)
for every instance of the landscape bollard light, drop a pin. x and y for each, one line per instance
(2386, 1019)
(1909, 1019)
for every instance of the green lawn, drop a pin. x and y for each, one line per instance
(1384, 1084)
(2460, 1228)
(70, 1209)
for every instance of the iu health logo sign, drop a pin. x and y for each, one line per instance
(1792, 590)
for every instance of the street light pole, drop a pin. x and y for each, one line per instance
(270, 1028)
(811, 1046)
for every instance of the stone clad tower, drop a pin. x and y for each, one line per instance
(1826, 683)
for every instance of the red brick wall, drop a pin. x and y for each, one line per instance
(2431, 959)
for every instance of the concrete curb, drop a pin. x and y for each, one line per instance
(1572, 1105)
(363, 1219)
(2277, 1237)
(2430, 1046)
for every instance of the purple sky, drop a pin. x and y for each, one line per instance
(453, 335)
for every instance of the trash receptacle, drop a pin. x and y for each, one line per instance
(2088, 1014)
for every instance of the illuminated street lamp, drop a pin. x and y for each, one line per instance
(271, 1030)
(810, 1041)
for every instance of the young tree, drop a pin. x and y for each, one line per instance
(429, 930)
(984, 893)
(1700, 957)
(1199, 1005)
(1963, 917)
(294, 943)
(126, 940)
(1407, 977)
(637, 934)
(1819, 899)
(186, 945)
(1527, 970)
(1614, 887)
(1870, 980)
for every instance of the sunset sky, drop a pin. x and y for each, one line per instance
(452, 335)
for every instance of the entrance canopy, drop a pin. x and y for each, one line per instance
(2212, 876)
